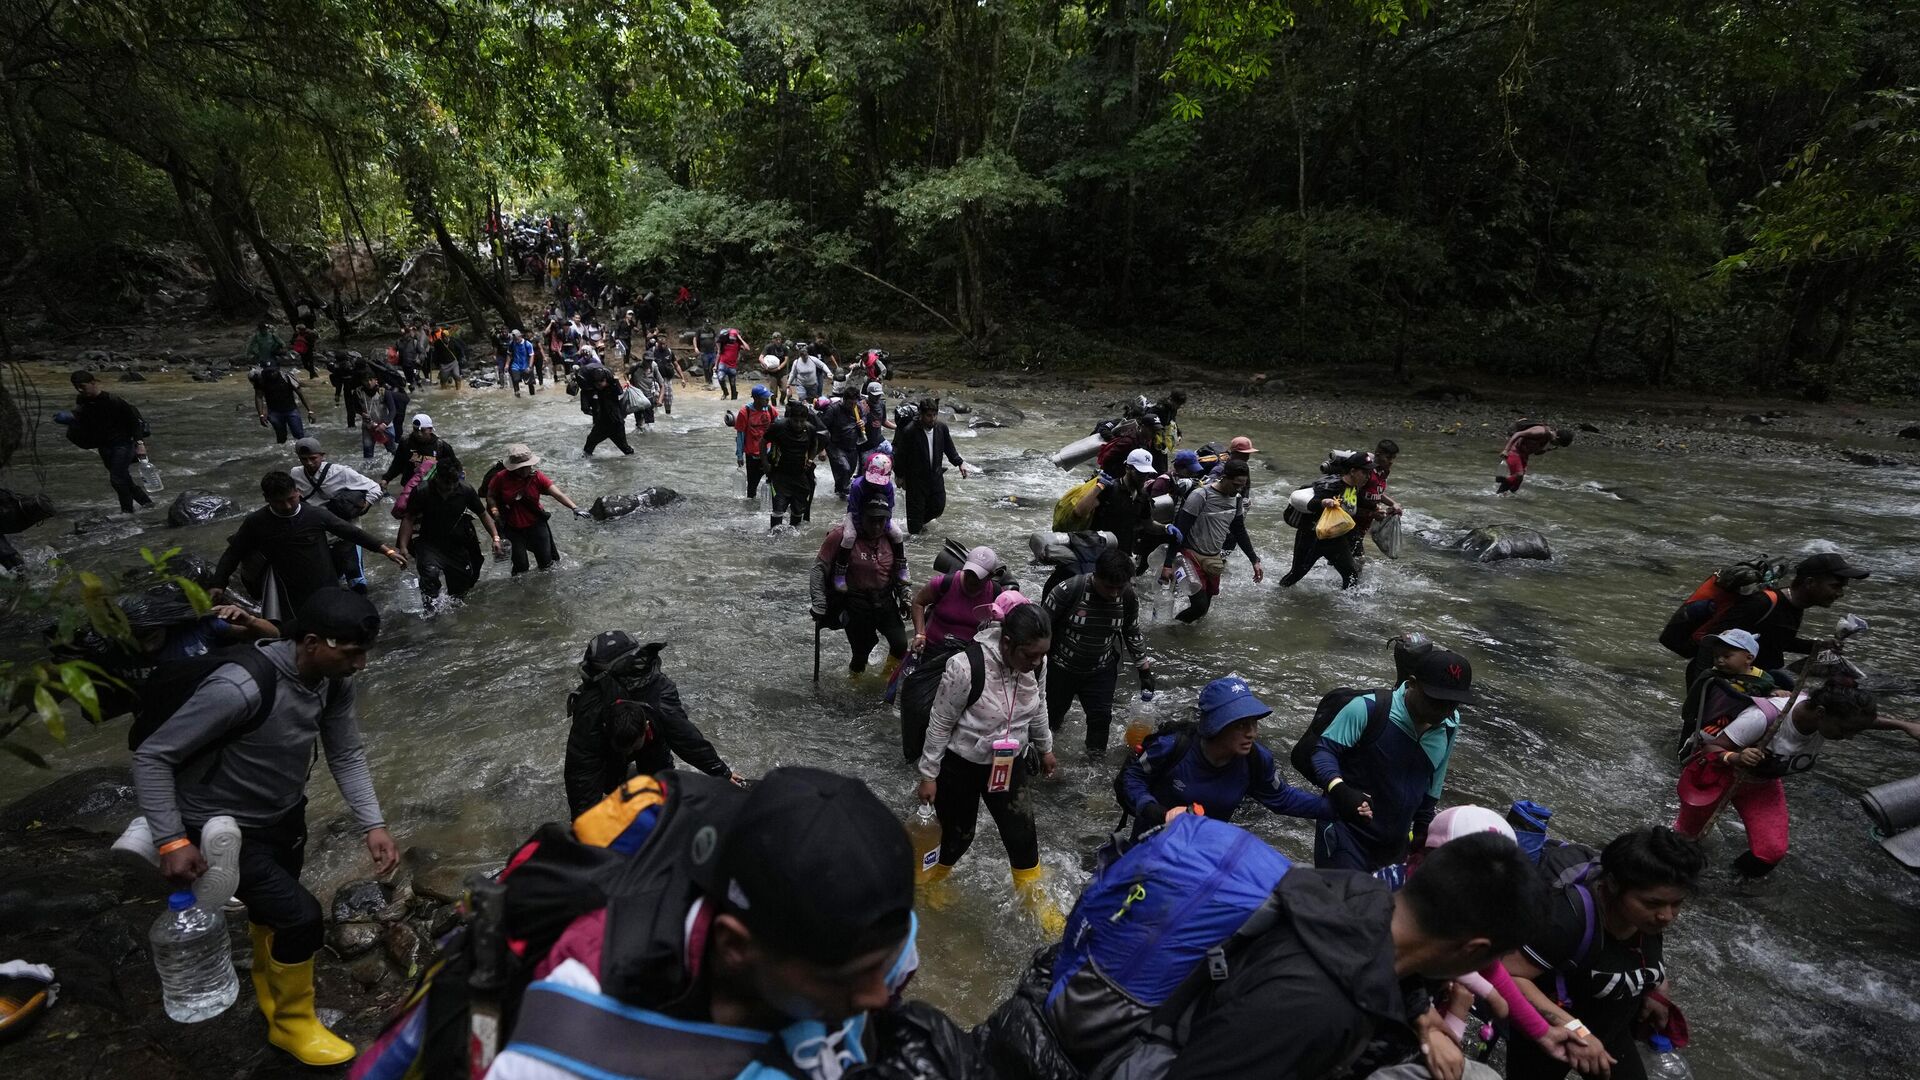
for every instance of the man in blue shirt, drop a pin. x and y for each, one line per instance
(1389, 751)
(1215, 766)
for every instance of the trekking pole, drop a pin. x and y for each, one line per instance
(487, 982)
(1849, 626)
(816, 650)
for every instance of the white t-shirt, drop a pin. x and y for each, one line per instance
(1793, 750)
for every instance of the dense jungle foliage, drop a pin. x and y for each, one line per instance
(1712, 193)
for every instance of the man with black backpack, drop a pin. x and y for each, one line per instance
(1092, 615)
(292, 539)
(628, 720)
(344, 491)
(233, 733)
(1387, 750)
(111, 425)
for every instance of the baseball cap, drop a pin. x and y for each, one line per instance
(1457, 821)
(1141, 461)
(1738, 639)
(879, 469)
(1225, 701)
(308, 445)
(1445, 676)
(874, 390)
(1186, 459)
(877, 510)
(1241, 445)
(422, 420)
(760, 391)
(339, 614)
(816, 866)
(983, 561)
(1828, 564)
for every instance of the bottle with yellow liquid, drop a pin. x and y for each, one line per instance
(1140, 722)
(923, 831)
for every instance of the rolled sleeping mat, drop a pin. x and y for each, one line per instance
(1895, 806)
(1078, 452)
(1904, 847)
(951, 558)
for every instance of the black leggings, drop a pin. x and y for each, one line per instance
(870, 617)
(1095, 691)
(614, 432)
(1309, 549)
(433, 564)
(271, 857)
(756, 469)
(957, 796)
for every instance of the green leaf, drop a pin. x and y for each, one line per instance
(50, 715)
(25, 754)
(81, 689)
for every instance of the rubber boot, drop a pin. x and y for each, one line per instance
(934, 891)
(1030, 886)
(288, 1005)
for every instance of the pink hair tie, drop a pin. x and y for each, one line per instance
(1006, 602)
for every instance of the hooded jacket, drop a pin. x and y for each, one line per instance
(1307, 999)
(1012, 706)
(593, 768)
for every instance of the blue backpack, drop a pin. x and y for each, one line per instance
(1145, 924)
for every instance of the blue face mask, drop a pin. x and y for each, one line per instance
(825, 1055)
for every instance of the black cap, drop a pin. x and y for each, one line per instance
(876, 510)
(1445, 676)
(81, 378)
(1828, 564)
(817, 867)
(341, 615)
(608, 646)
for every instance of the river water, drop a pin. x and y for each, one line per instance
(463, 712)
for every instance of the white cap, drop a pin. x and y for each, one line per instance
(422, 420)
(1141, 461)
(1457, 821)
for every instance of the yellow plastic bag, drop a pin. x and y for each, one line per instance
(1334, 522)
(1064, 517)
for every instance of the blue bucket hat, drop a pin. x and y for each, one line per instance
(1227, 701)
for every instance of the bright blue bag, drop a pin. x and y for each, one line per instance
(1147, 921)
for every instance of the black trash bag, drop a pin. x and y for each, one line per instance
(1497, 543)
(19, 513)
(608, 507)
(1017, 1042)
(198, 507)
(916, 1041)
(159, 607)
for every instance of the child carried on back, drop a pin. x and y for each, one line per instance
(1730, 686)
(873, 487)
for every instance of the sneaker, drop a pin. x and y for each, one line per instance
(135, 845)
(220, 846)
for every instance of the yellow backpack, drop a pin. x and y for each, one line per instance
(608, 820)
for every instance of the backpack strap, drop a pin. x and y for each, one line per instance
(1589, 934)
(1378, 712)
(977, 660)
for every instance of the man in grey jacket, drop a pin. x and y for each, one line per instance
(202, 762)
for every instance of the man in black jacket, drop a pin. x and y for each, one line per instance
(112, 426)
(292, 538)
(1348, 966)
(920, 449)
(628, 720)
(600, 398)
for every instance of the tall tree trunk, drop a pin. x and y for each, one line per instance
(233, 289)
(459, 263)
(33, 206)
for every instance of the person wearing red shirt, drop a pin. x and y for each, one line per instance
(514, 496)
(1521, 446)
(750, 427)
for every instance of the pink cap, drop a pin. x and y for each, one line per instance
(879, 469)
(1006, 602)
(1457, 821)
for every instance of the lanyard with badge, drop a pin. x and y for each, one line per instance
(1006, 749)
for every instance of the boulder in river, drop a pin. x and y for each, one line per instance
(608, 507)
(1910, 432)
(198, 508)
(1498, 543)
(1870, 460)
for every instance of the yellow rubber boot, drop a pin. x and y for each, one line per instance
(1030, 886)
(886, 670)
(291, 1023)
(934, 891)
(262, 956)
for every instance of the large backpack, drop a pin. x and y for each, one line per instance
(917, 689)
(637, 847)
(171, 684)
(1330, 705)
(1727, 587)
(1161, 923)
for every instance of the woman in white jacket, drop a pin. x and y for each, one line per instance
(977, 753)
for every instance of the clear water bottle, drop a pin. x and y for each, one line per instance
(150, 475)
(195, 960)
(1665, 1063)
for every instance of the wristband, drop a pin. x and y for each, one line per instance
(173, 845)
(1335, 782)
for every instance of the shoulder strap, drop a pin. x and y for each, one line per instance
(1378, 710)
(977, 659)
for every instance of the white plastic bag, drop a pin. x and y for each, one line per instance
(1386, 535)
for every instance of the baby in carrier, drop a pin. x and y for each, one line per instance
(1727, 688)
(872, 487)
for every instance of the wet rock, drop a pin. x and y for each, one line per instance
(444, 882)
(1497, 543)
(132, 376)
(104, 794)
(1027, 502)
(206, 376)
(960, 408)
(407, 949)
(349, 940)
(369, 969)
(1756, 418)
(1870, 460)
(1445, 392)
(360, 901)
(1589, 429)
(984, 422)
(87, 524)
(608, 507)
(1910, 432)
(198, 507)
(441, 918)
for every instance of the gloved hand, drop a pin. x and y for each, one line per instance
(1347, 800)
(1151, 815)
(1103, 479)
(581, 512)
(1175, 537)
